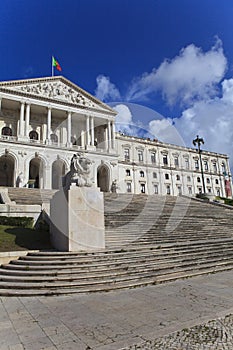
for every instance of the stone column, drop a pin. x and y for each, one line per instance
(27, 120)
(106, 137)
(109, 135)
(21, 120)
(87, 130)
(113, 135)
(69, 129)
(82, 138)
(49, 116)
(92, 132)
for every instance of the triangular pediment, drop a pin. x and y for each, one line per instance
(56, 89)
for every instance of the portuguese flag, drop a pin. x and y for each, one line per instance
(56, 64)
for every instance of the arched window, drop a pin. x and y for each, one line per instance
(7, 131)
(142, 173)
(155, 175)
(178, 177)
(208, 180)
(168, 189)
(54, 138)
(198, 179)
(167, 176)
(33, 135)
(127, 172)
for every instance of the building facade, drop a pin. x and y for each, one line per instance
(44, 121)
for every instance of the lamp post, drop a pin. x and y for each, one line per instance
(198, 141)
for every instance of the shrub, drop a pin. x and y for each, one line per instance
(23, 221)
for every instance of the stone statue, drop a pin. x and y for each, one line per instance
(114, 186)
(79, 174)
(19, 180)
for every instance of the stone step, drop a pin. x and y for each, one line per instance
(157, 268)
(120, 285)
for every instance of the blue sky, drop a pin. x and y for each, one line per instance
(172, 56)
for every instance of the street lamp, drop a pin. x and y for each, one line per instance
(198, 141)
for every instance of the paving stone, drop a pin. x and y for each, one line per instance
(191, 314)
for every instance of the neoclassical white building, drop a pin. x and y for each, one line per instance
(44, 121)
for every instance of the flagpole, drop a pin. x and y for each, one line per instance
(52, 67)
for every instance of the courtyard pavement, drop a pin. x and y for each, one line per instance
(195, 313)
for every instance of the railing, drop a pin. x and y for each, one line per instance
(51, 144)
(8, 138)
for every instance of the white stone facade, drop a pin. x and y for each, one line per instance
(44, 121)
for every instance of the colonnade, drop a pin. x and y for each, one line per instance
(87, 132)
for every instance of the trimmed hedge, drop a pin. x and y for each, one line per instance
(23, 221)
(228, 201)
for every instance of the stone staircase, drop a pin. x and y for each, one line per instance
(30, 195)
(150, 240)
(134, 219)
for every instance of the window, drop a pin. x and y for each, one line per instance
(168, 189)
(54, 138)
(128, 187)
(127, 172)
(156, 189)
(196, 164)
(176, 162)
(143, 188)
(216, 181)
(199, 190)
(142, 174)
(198, 179)
(186, 163)
(179, 190)
(209, 190)
(167, 176)
(214, 167)
(188, 178)
(178, 177)
(208, 180)
(6, 131)
(218, 192)
(126, 154)
(223, 168)
(206, 165)
(153, 160)
(140, 155)
(33, 135)
(190, 190)
(154, 175)
(165, 161)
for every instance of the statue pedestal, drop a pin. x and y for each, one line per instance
(77, 219)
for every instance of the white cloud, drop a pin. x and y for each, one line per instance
(213, 120)
(124, 120)
(164, 130)
(192, 75)
(106, 91)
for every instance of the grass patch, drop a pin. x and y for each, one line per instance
(14, 238)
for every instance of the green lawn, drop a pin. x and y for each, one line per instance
(18, 238)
